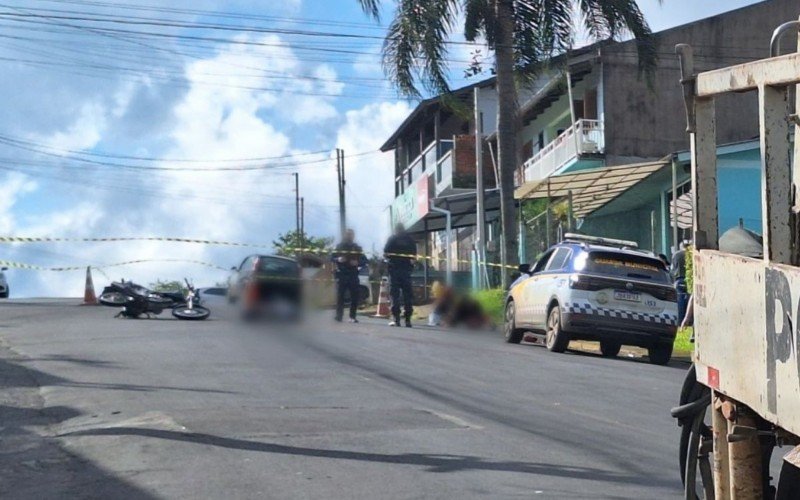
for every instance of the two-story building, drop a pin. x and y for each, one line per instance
(592, 131)
(435, 164)
(598, 113)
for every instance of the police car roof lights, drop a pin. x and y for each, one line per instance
(596, 240)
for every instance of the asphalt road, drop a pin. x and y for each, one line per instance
(96, 407)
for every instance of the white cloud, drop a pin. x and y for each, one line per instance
(370, 178)
(84, 133)
(15, 186)
(232, 109)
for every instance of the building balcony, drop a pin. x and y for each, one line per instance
(583, 139)
(422, 164)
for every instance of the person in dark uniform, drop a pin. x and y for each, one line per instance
(400, 252)
(349, 258)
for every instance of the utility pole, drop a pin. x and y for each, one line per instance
(480, 224)
(342, 182)
(297, 203)
(302, 218)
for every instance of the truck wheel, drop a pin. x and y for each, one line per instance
(512, 333)
(556, 338)
(609, 348)
(660, 354)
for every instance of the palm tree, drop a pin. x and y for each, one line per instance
(524, 34)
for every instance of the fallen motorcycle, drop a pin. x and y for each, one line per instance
(136, 300)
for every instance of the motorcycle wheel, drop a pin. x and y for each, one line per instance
(196, 313)
(113, 299)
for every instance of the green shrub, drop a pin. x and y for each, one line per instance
(492, 302)
(683, 345)
(689, 269)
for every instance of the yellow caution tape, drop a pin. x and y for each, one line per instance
(47, 239)
(33, 267)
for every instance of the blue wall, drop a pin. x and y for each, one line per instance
(739, 184)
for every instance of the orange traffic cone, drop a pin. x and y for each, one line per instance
(383, 300)
(89, 297)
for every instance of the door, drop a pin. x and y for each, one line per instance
(525, 299)
(545, 286)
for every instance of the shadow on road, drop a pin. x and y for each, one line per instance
(38, 378)
(33, 465)
(434, 463)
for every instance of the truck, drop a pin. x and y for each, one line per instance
(741, 398)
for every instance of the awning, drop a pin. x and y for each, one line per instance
(462, 208)
(592, 188)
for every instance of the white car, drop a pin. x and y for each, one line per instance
(595, 289)
(3, 284)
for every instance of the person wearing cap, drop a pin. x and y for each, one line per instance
(349, 258)
(400, 252)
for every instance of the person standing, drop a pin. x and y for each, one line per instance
(349, 258)
(400, 252)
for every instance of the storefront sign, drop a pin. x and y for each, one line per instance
(413, 204)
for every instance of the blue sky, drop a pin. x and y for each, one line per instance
(103, 123)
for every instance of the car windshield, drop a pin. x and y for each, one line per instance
(275, 266)
(627, 266)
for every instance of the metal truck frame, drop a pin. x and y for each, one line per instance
(746, 311)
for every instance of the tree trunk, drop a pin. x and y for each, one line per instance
(506, 131)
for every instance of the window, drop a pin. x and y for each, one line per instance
(539, 266)
(628, 266)
(247, 264)
(277, 267)
(558, 259)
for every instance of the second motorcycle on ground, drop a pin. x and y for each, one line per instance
(136, 301)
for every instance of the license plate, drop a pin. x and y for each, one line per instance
(627, 296)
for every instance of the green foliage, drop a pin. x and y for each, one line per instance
(289, 243)
(690, 269)
(167, 286)
(417, 43)
(532, 208)
(683, 346)
(492, 301)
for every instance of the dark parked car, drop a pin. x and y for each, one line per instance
(271, 280)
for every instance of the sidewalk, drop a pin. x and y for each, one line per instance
(421, 322)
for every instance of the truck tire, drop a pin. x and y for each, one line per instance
(609, 348)
(659, 354)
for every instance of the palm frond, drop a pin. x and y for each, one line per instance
(415, 47)
(614, 18)
(372, 8)
(543, 28)
(479, 20)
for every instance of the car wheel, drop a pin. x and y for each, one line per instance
(556, 338)
(4, 295)
(609, 348)
(660, 354)
(512, 333)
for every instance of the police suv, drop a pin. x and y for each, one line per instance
(588, 288)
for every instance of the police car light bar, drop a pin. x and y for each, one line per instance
(600, 241)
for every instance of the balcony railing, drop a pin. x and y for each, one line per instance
(427, 161)
(582, 138)
(444, 172)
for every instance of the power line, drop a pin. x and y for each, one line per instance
(41, 150)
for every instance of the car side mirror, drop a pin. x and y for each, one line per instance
(3, 269)
(234, 268)
(524, 268)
